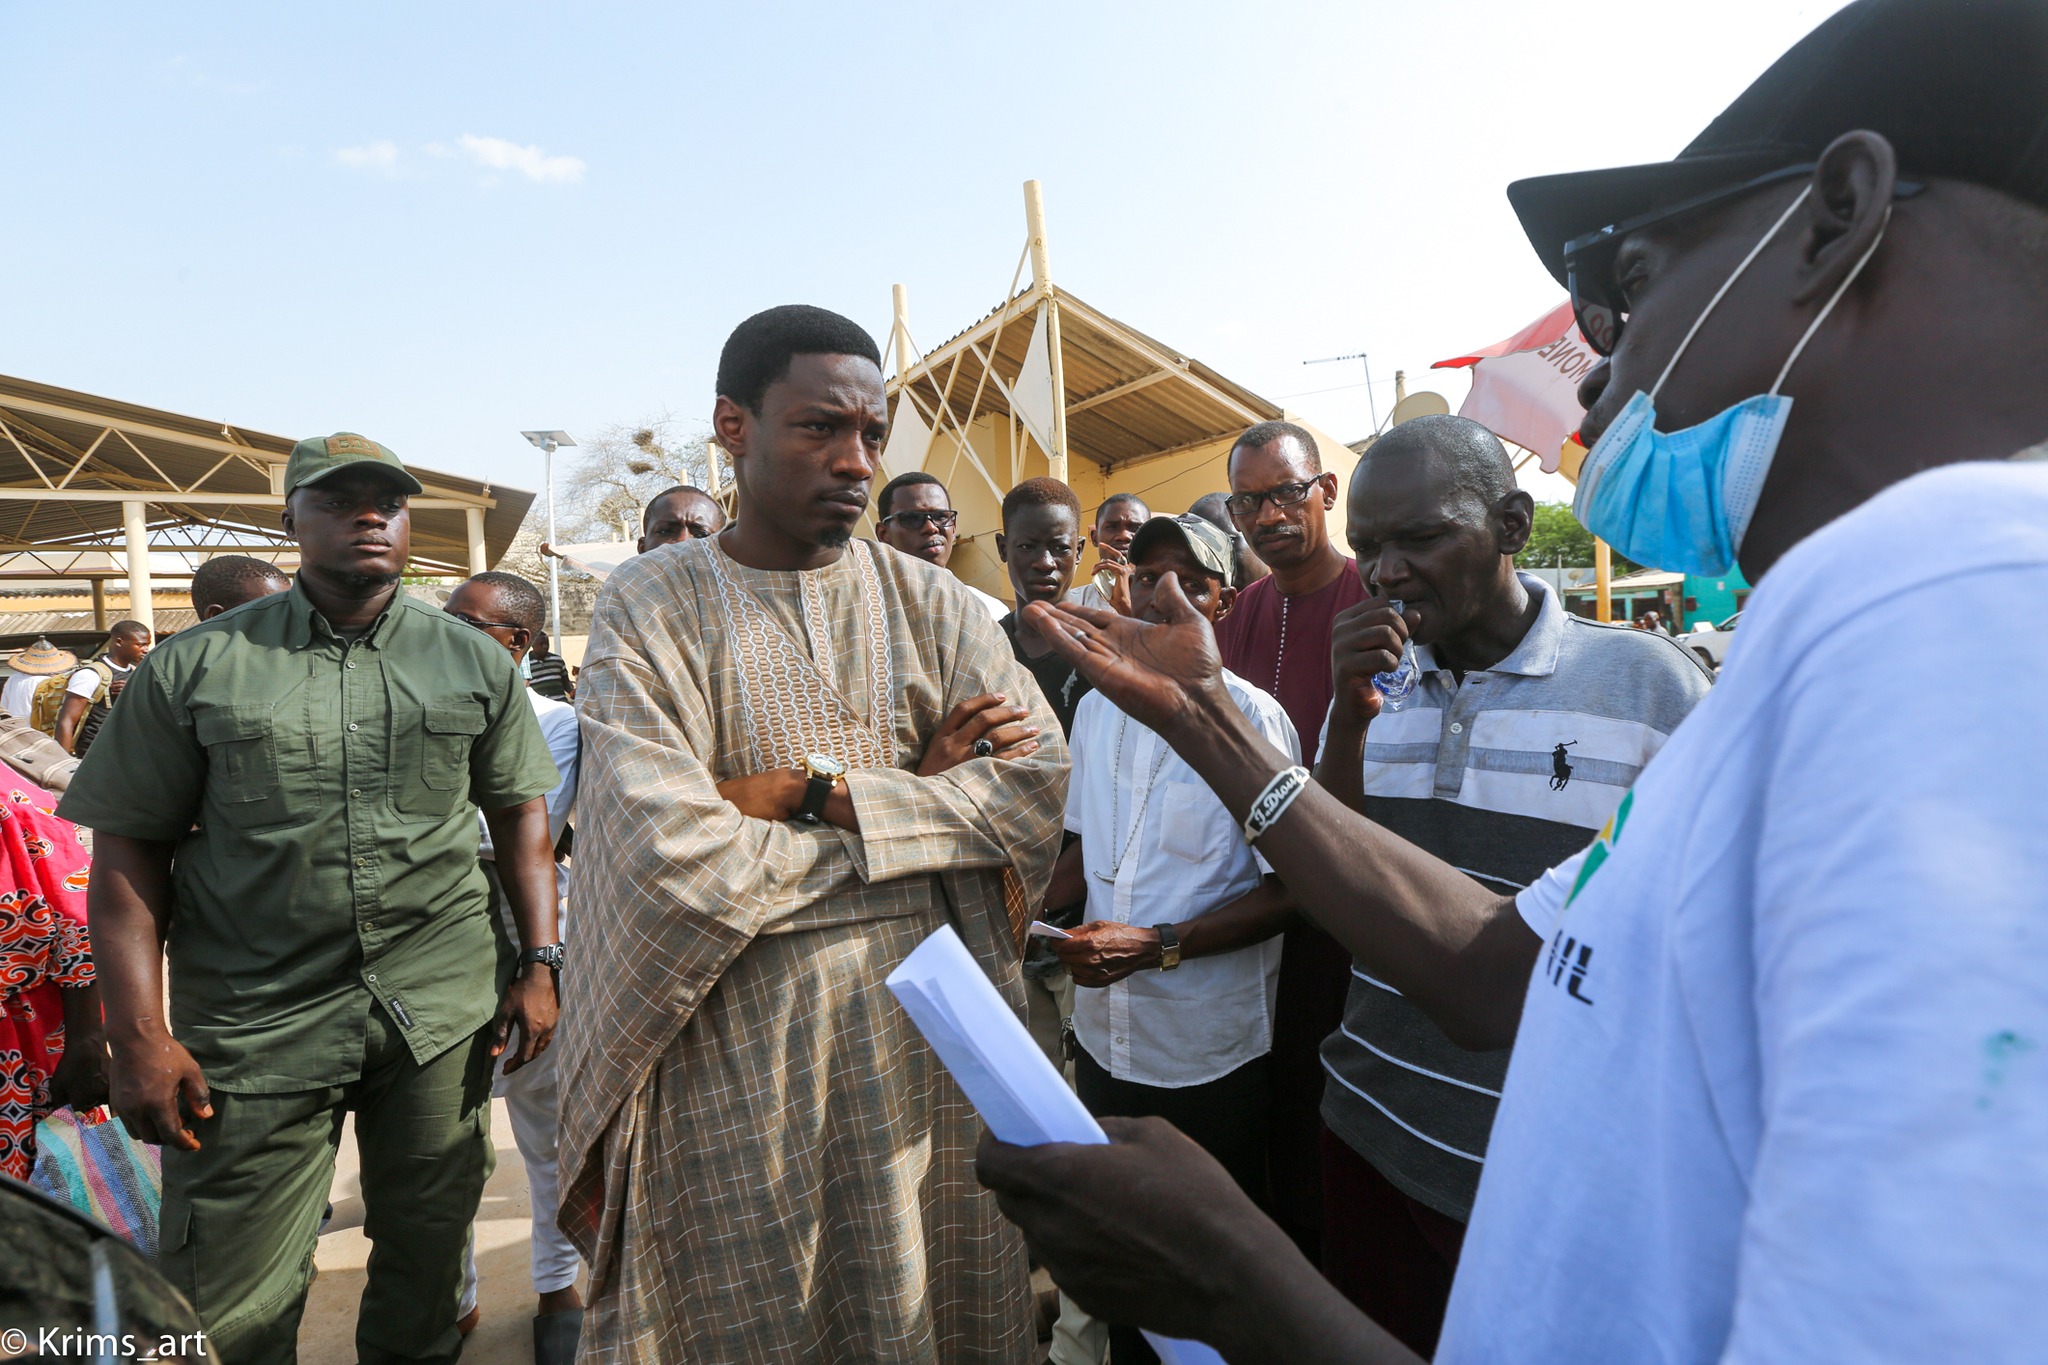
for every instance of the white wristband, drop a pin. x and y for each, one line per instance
(1274, 801)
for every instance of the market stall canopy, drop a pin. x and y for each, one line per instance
(1129, 398)
(75, 466)
(1047, 384)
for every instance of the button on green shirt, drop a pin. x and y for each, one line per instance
(333, 786)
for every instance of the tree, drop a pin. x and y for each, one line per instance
(1558, 540)
(609, 478)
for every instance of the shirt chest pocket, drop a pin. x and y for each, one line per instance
(434, 776)
(1193, 826)
(244, 778)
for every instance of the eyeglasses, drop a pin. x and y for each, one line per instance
(1599, 304)
(910, 521)
(469, 620)
(1244, 505)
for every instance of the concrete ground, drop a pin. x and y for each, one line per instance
(504, 1337)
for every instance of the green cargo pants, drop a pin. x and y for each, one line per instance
(241, 1215)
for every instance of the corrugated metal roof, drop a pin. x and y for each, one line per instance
(56, 623)
(1129, 397)
(54, 438)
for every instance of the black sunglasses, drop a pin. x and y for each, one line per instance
(1598, 303)
(910, 521)
(1242, 505)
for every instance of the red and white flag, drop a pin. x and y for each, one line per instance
(1526, 389)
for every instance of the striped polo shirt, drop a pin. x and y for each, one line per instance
(1503, 775)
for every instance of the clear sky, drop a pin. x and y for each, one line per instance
(441, 223)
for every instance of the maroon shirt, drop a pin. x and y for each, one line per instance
(1299, 675)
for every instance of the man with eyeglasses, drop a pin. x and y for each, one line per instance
(1778, 1078)
(683, 512)
(511, 610)
(315, 762)
(914, 515)
(1278, 638)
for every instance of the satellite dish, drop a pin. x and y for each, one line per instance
(1422, 403)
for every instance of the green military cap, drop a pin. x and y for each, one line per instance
(316, 457)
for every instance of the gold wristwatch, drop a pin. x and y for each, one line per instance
(824, 773)
(1169, 947)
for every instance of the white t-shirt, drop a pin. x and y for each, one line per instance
(1187, 856)
(558, 726)
(17, 696)
(86, 681)
(997, 607)
(1780, 1091)
(1088, 595)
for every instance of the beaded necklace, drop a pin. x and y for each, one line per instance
(1115, 804)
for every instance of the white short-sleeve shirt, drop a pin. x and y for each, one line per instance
(1186, 856)
(1780, 1091)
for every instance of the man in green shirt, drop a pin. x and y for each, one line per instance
(286, 798)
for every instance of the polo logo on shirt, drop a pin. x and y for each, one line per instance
(1561, 766)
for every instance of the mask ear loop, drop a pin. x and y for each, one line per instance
(1728, 284)
(1833, 299)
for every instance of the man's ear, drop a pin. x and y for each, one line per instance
(1514, 519)
(1002, 548)
(522, 641)
(1329, 482)
(284, 517)
(1226, 598)
(730, 424)
(1853, 184)
(640, 546)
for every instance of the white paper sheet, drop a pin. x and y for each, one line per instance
(1019, 1095)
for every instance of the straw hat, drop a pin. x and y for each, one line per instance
(42, 659)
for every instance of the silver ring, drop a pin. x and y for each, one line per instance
(983, 748)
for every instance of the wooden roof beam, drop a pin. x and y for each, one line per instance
(1131, 386)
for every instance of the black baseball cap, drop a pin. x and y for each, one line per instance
(1958, 87)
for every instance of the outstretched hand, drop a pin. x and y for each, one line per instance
(1157, 674)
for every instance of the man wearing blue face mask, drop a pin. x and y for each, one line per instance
(1779, 1032)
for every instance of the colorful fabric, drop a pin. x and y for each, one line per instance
(43, 949)
(762, 1159)
(98, 1169)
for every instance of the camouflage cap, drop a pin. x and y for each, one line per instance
(1210, 547)
(317, 457)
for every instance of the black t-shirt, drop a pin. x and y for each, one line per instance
(1062, 684)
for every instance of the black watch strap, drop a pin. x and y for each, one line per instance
(548, 954)
(813, 808)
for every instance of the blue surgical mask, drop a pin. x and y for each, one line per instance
(1681, 501)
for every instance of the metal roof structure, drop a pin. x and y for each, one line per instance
(1130, 398)
(84, 478)
(1045, 383)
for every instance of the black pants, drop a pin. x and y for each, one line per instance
(1226, 1117)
